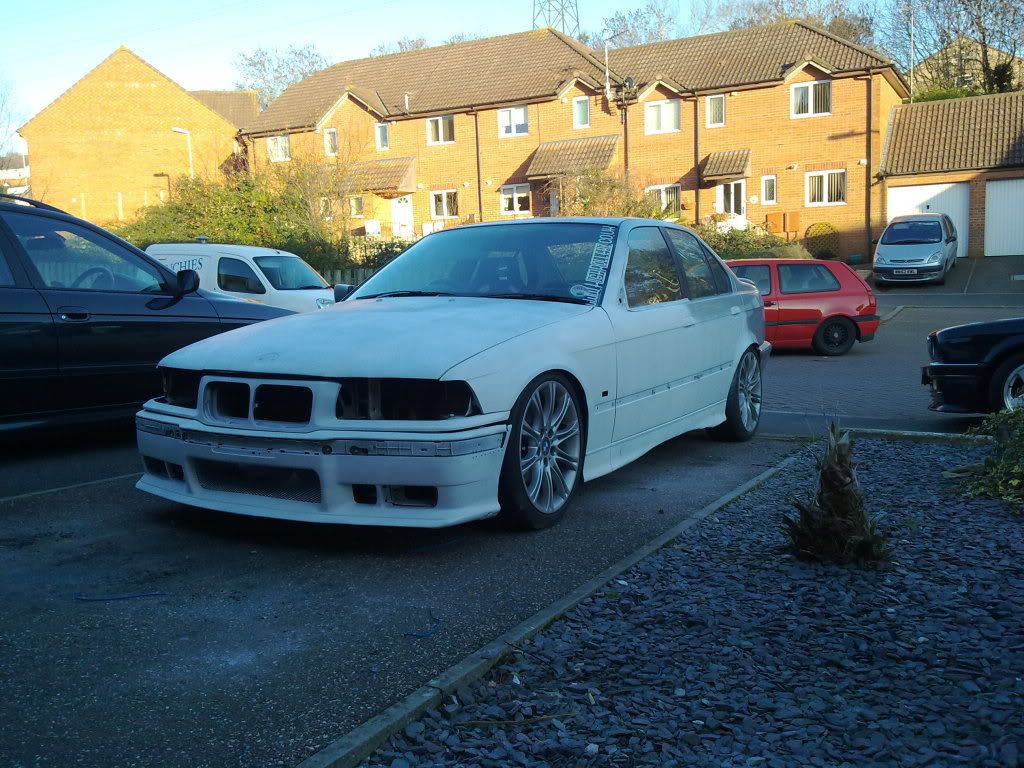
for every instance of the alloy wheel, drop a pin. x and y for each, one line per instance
(1013, 389)
(549, 446)
(748, 389)
(836, 335)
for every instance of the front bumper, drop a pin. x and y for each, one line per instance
(957, 387)
(924, 274)
(425, 480)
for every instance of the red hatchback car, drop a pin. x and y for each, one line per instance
(824, 305)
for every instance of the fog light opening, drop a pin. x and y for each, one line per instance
(364, 494)
(412, 495)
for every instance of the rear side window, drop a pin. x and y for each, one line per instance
(759, 274)
(693, 263)
(651, 276)
(806, 278)
(6, 278)
(237, 276)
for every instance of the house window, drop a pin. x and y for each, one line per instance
(383, 134)
(667, 196)
(278, 149)
(581, 112)
(441, 130)
(661, 116)
(444, 204)
(809, 99)
(513, 122)
(715, 107)
(355, 207)
(331, 142)
(769, 190)
(515, 198)
(826, 188)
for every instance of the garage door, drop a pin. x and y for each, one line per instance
(1004, 218)
(950, 199)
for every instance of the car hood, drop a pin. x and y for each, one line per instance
(408, 337)
(914, 252)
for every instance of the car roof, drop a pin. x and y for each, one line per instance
(610, 220)
(768, 260)
(918, 217)
(200, 249)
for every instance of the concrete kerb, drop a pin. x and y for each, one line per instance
(358, 744)
(891, 314)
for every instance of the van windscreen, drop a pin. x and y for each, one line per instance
(290, 273)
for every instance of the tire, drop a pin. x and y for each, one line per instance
(1006, 387)
(834, 337)
(743, 408)
(543, 465)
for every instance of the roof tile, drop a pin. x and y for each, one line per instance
(571, 156)
(237, 107)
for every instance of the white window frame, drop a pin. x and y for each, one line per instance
(275, 145)
(810, 99)
(376, 136)
(440, 129)
(575, 122)
(660, 105)
(444, 203)
(707, 110)
(764, 197)
(514, 191)
(512, 123)
(825, 175)
(327, 145)
(660, 189)
(352, 207)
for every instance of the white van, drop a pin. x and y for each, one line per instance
(263, 275)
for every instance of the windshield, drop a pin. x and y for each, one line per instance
(912, 233)
(553, 261)
(289, 273)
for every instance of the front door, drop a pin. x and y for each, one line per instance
(732, 202)
(114, 313)
(401, 217)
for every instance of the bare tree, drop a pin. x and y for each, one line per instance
(269, 71)
(653, 21)
(8, 119)
(401, 45)
(461, 37)
(849, 20)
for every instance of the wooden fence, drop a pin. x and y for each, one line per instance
(350, 276)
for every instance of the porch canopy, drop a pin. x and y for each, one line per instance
(720, 167)
(392, 177)
(571, 157)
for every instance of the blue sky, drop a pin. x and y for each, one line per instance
(196, 41)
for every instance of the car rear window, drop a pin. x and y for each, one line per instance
(759, 274)
(912, 233)
(806, 278)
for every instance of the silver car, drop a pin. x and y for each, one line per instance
(920, 248)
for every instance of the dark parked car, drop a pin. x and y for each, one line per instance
(86, 316)
(976, 368)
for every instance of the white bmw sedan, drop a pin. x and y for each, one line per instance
(488, 369)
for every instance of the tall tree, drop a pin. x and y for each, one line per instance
(653, 21)
(401, 45)
(269, 71)
(850, 21)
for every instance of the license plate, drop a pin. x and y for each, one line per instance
(904, 271)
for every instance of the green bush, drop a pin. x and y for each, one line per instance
(1002, 476)
(749, 244)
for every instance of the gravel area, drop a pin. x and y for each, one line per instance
(720, 650)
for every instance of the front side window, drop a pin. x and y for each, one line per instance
(515, 198)
(759, 274)
(661, 116)
(912, 233)
(279, 149)
(441, 130)
(444, 204)
(716, 111)
(769, 190)
(826, 188)
(666, 196)
(651, 276)
(806, 278)
(355, 207)
(555, 260)
(236, 276)
(809, 99)
(331, 142)
(383, 136)
(581, 112)
(289, 273)
(513, 122)
(693, 263)
(69, 256)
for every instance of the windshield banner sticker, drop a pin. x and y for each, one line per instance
(597, 272)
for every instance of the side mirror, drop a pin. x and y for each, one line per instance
(188, 282)
(951, 239)
(342, 291)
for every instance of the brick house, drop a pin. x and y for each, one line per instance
(779, 126)
(964, 158)
(105, 147)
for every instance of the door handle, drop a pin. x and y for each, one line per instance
(73, 314)
(769, 303)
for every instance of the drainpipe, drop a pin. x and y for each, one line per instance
(868, 191)
(479, 175)
(696, 160)
(624, 113)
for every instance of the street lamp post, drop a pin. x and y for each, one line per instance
(188, 142)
